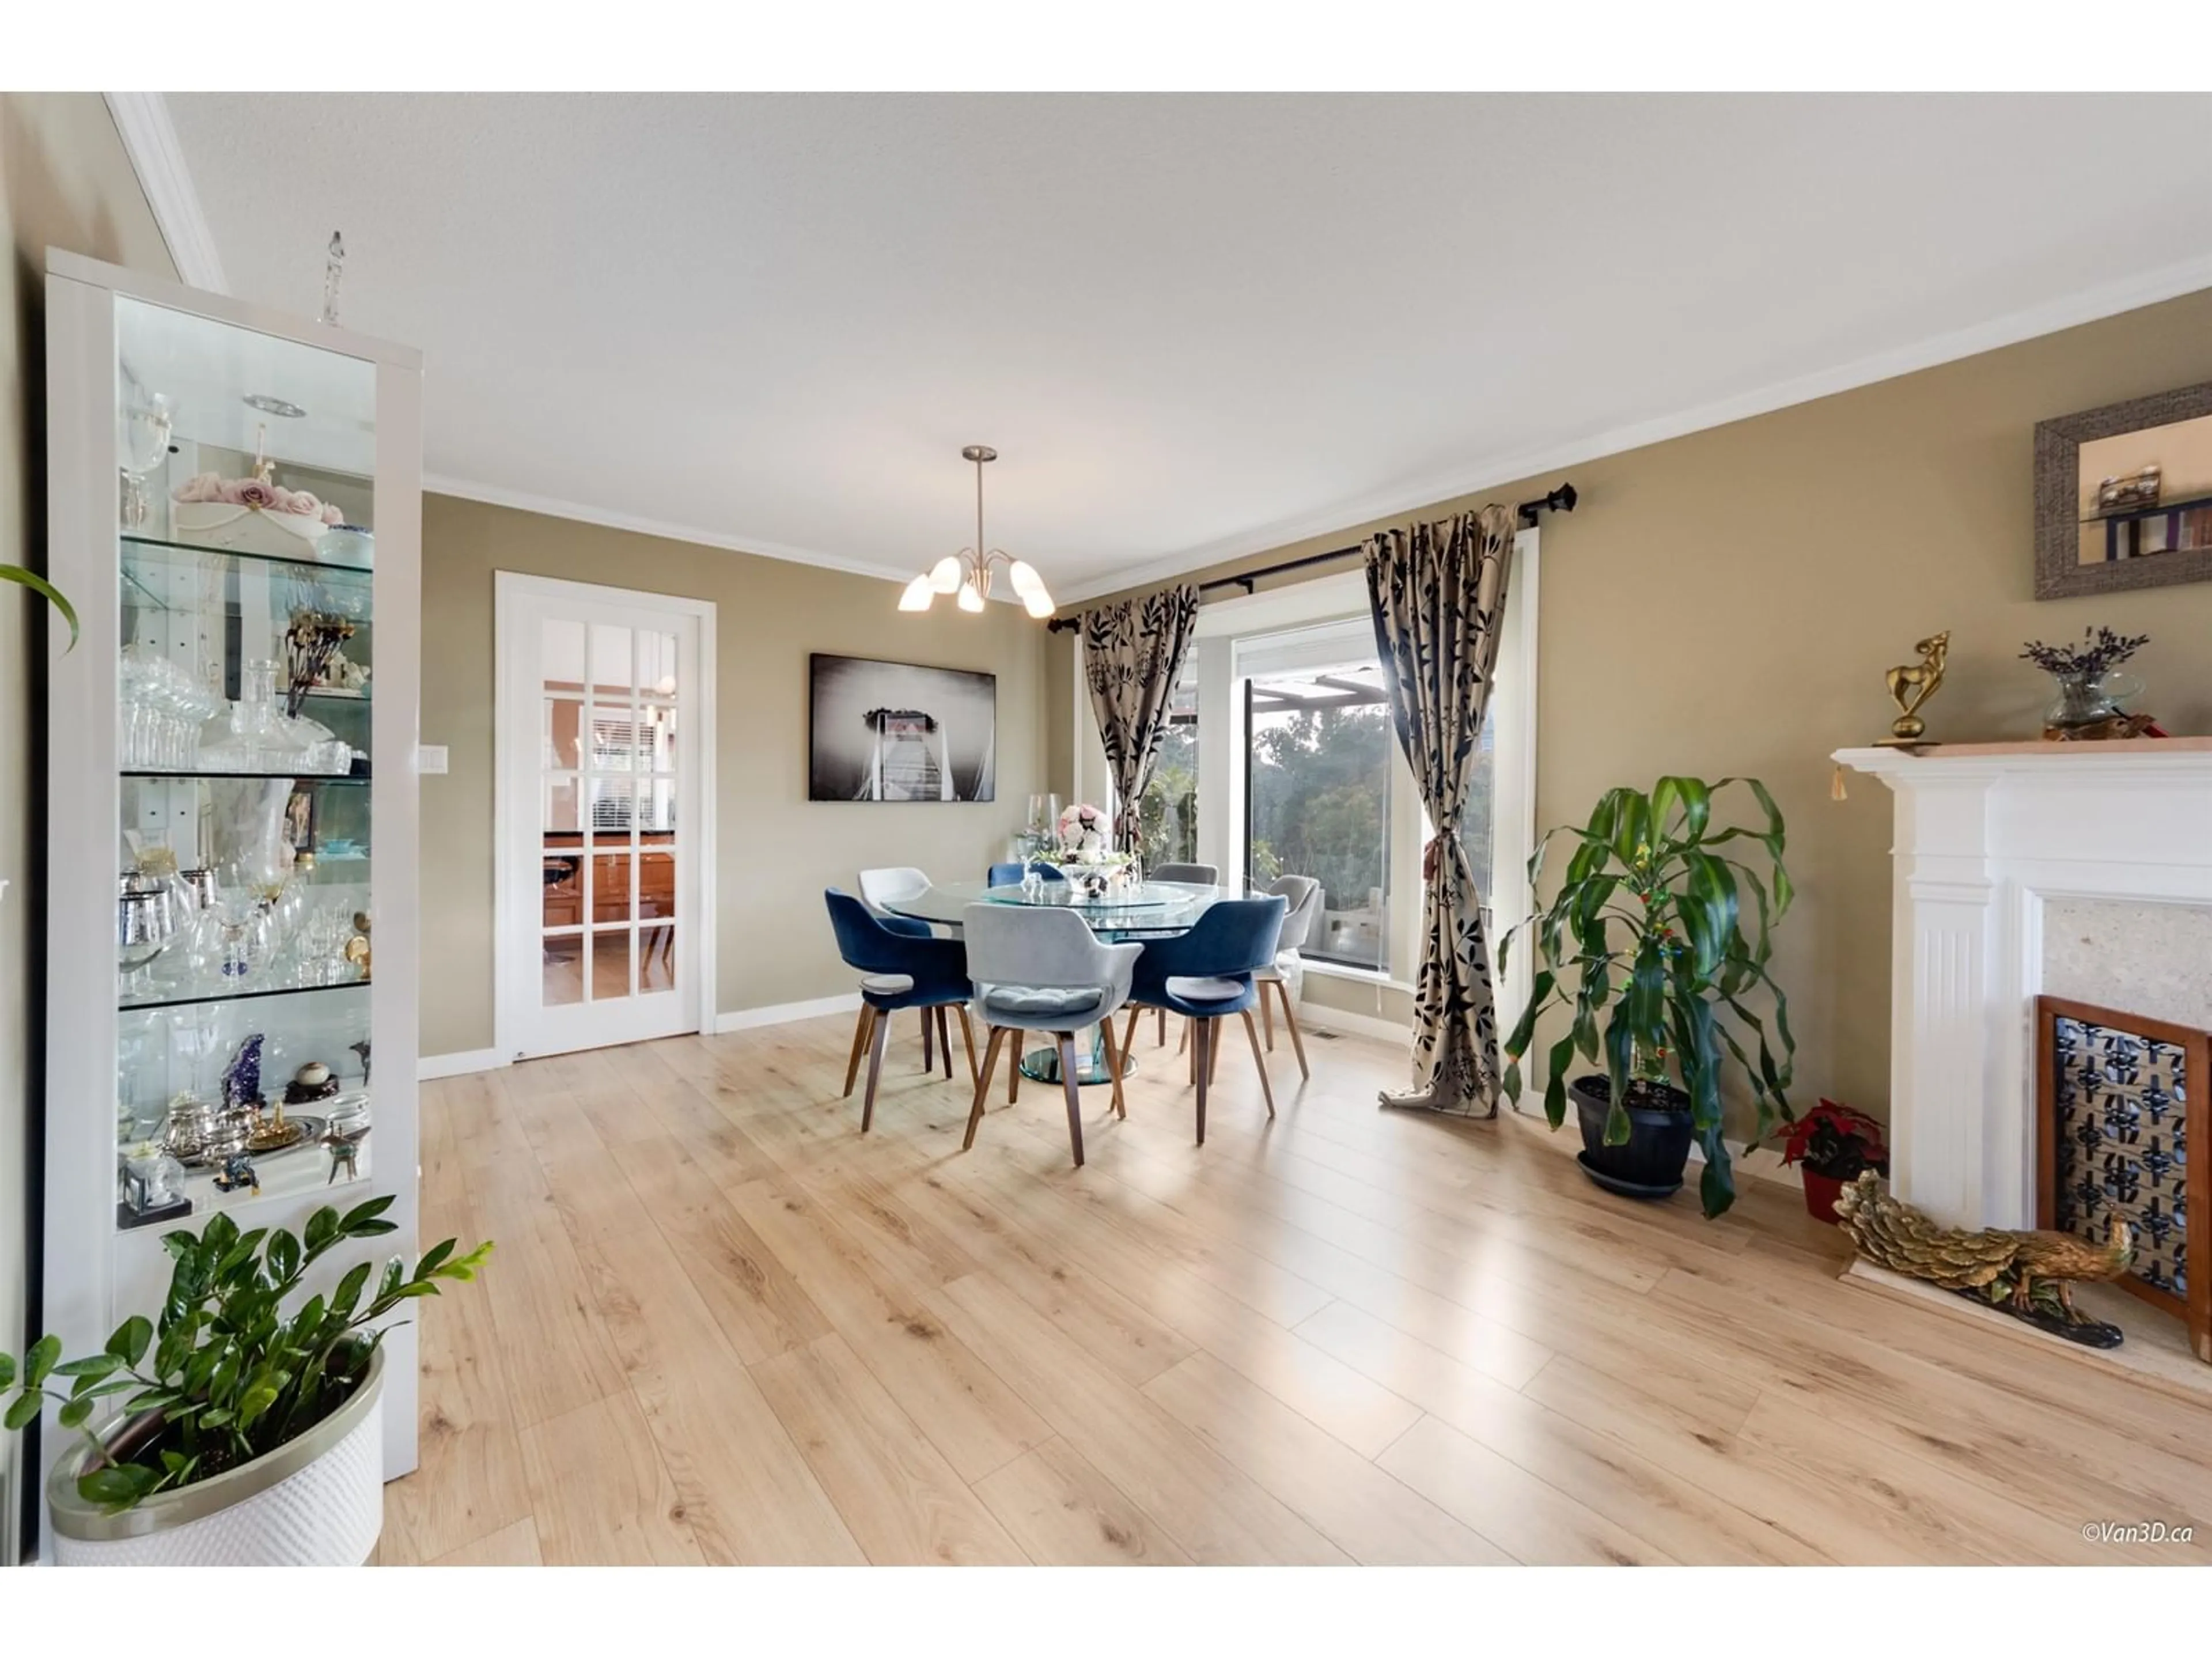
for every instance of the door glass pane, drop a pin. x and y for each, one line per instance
(656, 805)
(656, 738)
(560, 806)
(610, 663)
(564, 719)
(616, 740)
(561, 665)
(656, 958)
(610, 964)
(1319, 800)
(656, 883)
(610, 803)
(1167, 814)
(656, 663)
(611, 900)
(564, 970)
(564, 891)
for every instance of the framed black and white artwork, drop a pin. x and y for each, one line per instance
(894, 730)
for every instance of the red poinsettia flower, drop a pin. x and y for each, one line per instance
(1834, 1140)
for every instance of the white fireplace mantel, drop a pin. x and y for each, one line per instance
(1985, 834)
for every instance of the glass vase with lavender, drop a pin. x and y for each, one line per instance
(2091, 689)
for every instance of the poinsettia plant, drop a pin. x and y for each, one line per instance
(1833, 1140)
(231, 1375)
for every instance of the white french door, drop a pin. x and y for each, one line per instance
(606, 833)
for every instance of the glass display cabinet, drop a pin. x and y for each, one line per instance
(235, 511)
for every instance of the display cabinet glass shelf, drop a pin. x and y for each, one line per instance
(235, 510)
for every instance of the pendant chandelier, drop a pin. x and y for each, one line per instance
(969, 572)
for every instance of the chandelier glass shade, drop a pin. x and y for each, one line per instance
(967, 574)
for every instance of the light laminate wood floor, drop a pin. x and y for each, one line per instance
(722, 1326)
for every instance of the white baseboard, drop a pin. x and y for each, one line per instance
(1314, 1018)
(459, 1065)
(782, 1013)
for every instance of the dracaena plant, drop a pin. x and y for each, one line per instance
(232, 1374)
(1657, 944)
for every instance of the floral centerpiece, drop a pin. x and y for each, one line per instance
(2091, 689)
(1835, 1145)
(259, 495)
(252, 514)
(1086, 834)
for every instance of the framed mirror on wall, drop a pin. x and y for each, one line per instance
(2123, 496)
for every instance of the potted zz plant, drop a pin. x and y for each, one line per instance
(1657, 944)
(1834, 1145)
(247, 1436)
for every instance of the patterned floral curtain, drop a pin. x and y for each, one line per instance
(1439, 597)
(1132, 654)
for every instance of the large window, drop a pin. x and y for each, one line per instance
(1167, 813)
(1318, 783)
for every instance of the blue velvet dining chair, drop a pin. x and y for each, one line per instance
(1207, 975)
(901, 967)
(1010, 875)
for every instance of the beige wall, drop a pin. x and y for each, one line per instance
(66, 182)
(778, 850)
(1727, 602)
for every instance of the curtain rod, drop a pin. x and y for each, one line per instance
(1561, 500)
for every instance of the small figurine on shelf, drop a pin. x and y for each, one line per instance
(238, 1171)
(361, 1049)
(241, 1078)
(311, 1082)
(1912, 684)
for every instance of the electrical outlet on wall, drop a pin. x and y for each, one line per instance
(430, 757)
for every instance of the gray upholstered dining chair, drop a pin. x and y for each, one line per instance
(1304, 896)
(1040, 968)
(1200, 875)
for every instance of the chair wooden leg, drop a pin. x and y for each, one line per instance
(1268, 1015)
(1129, 1031)
(1074, 1096)
(945, 1040)
(1198, 1071)
(1162, 1042)
(875, 1070)
(968, 1040)
(1113, 1064)
(1267, 1089)
(1190, 1048)
(997, 1041)
(1290, 1019)
(1014, 1068)
(860, 1033)
(928, 1018)
(1213, 1049)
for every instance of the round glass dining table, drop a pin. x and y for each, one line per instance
(1151, 909)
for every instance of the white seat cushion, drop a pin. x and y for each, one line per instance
(1025, 1002)
(888, 985)
(1204, 990)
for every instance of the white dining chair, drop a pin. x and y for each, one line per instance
(1040, 969)
(1199, 875)
(879, 890)
(1288, 974)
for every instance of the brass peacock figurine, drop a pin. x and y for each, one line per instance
(2028, 1274)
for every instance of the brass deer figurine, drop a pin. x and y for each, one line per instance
(1911, 685)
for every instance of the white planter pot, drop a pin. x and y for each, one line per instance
(316, 1501)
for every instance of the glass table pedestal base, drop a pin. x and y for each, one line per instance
(1042, 1065)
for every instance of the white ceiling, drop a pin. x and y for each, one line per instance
(1193, 325)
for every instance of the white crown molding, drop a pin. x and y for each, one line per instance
(2088, 305)
(524, 502)
(150, 138)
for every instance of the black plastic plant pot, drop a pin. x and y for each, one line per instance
(1651, 1164)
